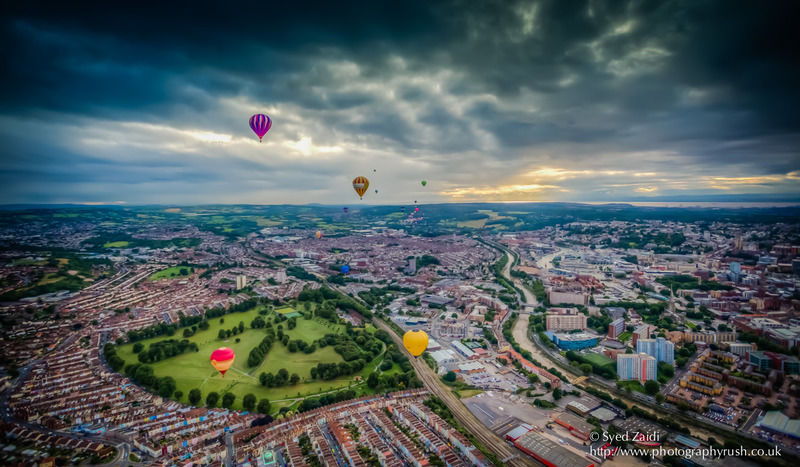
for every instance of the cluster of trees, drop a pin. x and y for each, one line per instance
(328, 371)
(226, 333)
(143, 375)
(281, 378)
(301, 345)
(260, 351)
(330, 300)
(599, 323)
(301, 273)
(114, 361)
(258, 323)
(394, 382)
(158, 351)
(684, 352)
(426, 260)
(327, 399)
(382, 296)
(155, 330)
(687, 282)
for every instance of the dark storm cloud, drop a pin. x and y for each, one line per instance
(521, 83)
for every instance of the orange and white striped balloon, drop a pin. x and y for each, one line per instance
(360, 184)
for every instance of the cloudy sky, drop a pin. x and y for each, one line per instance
(486, 100)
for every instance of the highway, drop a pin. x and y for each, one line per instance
(491, 441)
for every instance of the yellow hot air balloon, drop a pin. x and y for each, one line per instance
(360, 184)
(318, 234)
(222, 359)
(415, 342)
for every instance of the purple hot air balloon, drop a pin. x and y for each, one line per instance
(260, 124)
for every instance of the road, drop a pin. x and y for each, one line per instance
(489, 440)
(700, 426)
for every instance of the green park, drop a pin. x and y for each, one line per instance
(309, 356)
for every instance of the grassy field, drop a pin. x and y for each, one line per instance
(169, 273)
(597, 359)
(625, 336)
(463, 394)
(193, 370)
(120, 244)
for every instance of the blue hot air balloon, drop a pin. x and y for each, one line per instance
(345, 269)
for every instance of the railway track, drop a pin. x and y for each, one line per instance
(491, 441)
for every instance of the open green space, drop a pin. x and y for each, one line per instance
(598, 359)
(625, 336)
(171, 273)
(193, 369)
(631, 385)
(118, 244)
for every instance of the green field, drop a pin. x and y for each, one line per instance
(170, 273)
(597, 359)
(625, 336)
(193, 370)
(120, 244)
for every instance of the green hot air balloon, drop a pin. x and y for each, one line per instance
(424, 182)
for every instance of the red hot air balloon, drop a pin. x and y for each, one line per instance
(260, 124)
(222, 359)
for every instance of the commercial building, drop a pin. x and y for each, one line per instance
(570, 297)
(580, 340)
(549, 452)
(616, 327)
(636, 367)
(710, 337)
(660, 348)
(577, 426)
(566, 320)
(777, 422)
(464, 350)
(471, 367)
(444, 358)
(760, 361)
(740, 348)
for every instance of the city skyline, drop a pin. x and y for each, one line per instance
(521, 101)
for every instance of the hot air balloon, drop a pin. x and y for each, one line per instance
(376, 191)
(416, 209)
(345, 269)
(318, 234)
(415, 342)
(260, 124)
(424, 182)
(222, 359)
(360, 184)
